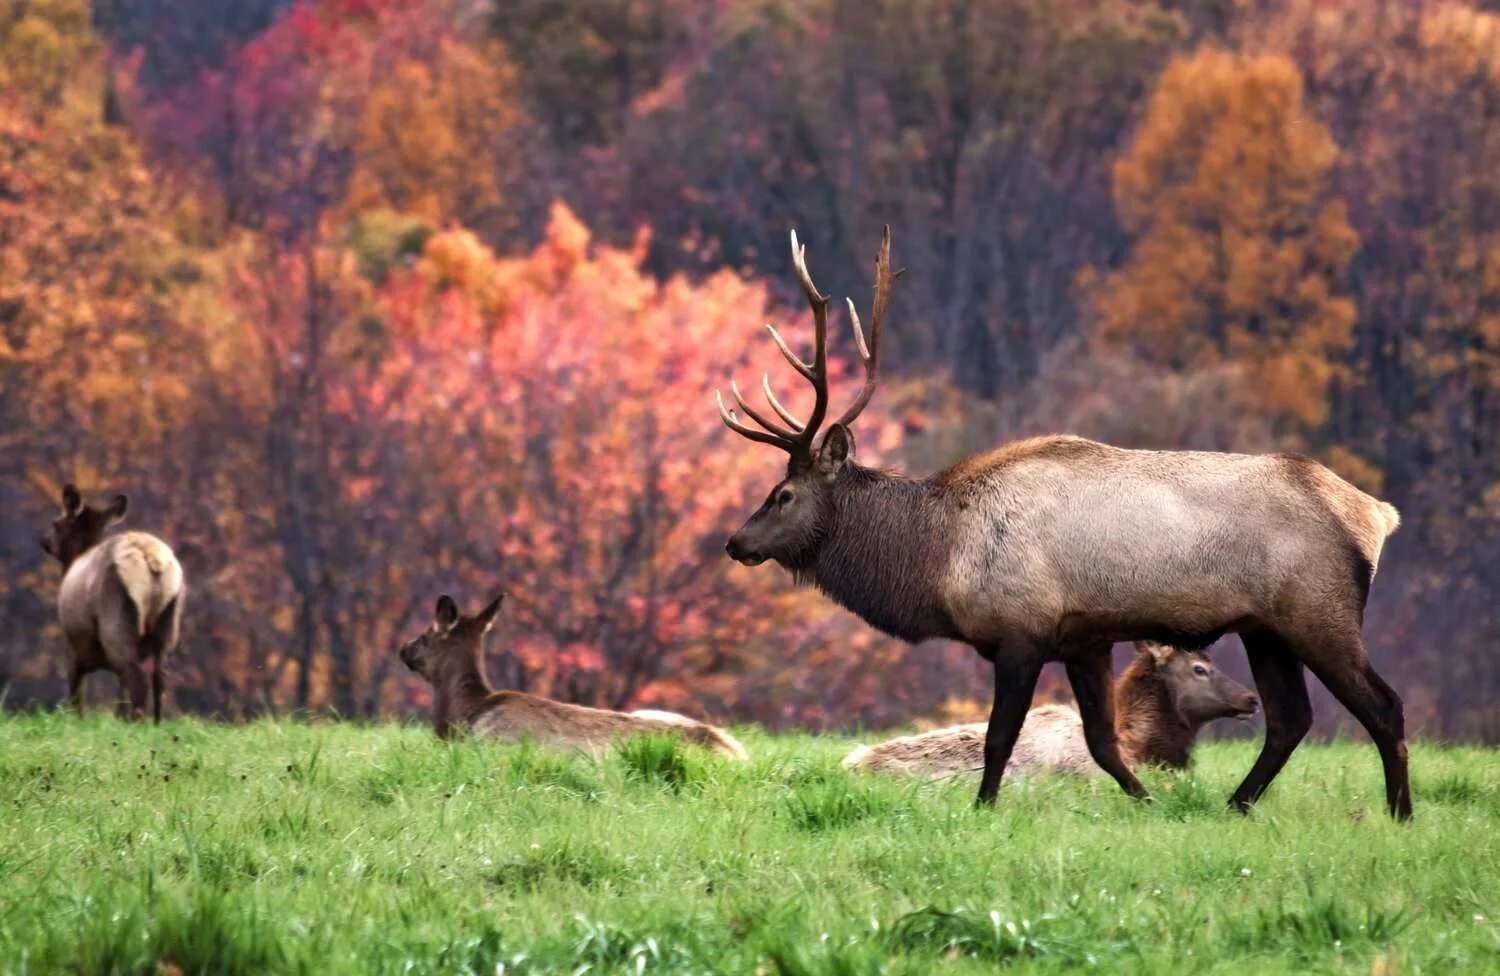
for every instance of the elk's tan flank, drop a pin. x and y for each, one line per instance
(1162, 701)
(1056, 547)
(120, 603)
(450, 656)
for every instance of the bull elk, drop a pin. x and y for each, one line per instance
(1054, 548)
(120, 603)
(450, 656)
(1162, 702)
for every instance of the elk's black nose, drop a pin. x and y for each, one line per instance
(735, 550)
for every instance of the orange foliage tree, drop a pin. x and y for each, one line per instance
(581, 456)
(1240, 245)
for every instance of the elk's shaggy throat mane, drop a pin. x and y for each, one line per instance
(881, 554)
(462, 691)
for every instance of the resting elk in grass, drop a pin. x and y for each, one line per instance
(1056, 547)
(1162, 701)
(120, 603)
(450, 656)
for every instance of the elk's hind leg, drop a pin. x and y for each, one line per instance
(1282, 687)
(75, 686)
(156, 689)
(1379, 709)
(1015, 680)
(121, 640)
(1092, 679)
(133, 691)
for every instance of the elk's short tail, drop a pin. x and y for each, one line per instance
(1390, 516)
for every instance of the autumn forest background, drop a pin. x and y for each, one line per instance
(362, 301)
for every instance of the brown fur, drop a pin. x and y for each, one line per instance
(1149, 722)
(120, 602)
(1054, 447)
(450, 656)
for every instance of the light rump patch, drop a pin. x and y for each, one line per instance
(149, 571)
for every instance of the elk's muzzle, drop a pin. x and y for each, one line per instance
(740, 553)
(1247, 706)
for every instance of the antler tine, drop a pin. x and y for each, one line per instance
(859, 332)
(870, 354)
(771, 426)
(782, 412)
(819, 376)
(786, 351)
(733, 424)
(797, 436)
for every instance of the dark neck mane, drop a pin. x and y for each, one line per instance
(882, 554)
(1147, 724)
(461, 692)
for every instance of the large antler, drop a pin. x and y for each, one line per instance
(792, 435)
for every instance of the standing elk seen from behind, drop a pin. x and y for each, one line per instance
(1056, 547)
(120, 603)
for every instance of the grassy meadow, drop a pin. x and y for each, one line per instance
(339, 848)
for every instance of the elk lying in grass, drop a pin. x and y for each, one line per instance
(1162, 701)
(1056, 547)
(120, 603)
(450, 656)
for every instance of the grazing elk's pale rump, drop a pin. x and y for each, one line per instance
(1162, 701)
(1054, 548)
(120, 602)
(450, 656)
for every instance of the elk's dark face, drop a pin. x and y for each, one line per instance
(80, 527)
(1199, 691)
(451, 637)
(791, 524)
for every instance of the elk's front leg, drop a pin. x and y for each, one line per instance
(1015, 680)
(1093, 682)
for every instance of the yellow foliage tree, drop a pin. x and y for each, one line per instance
(86, 247)
(433, 139)
(1240, 245)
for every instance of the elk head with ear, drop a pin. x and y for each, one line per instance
(1199, 692)
(80, 527)
(451, 638)
(791, 524)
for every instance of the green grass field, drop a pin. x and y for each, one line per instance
(286, 847)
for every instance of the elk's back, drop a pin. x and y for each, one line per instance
(513, 716)
(1113, 538)
(1051, 740)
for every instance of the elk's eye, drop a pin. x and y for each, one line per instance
(1200, 670)
(784, 497)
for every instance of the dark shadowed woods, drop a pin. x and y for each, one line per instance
(362, 301)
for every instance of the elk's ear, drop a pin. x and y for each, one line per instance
(488, 614)
(837, 448)
(1159, 653)
(446, 614)
(117, 507)
(72, 501)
